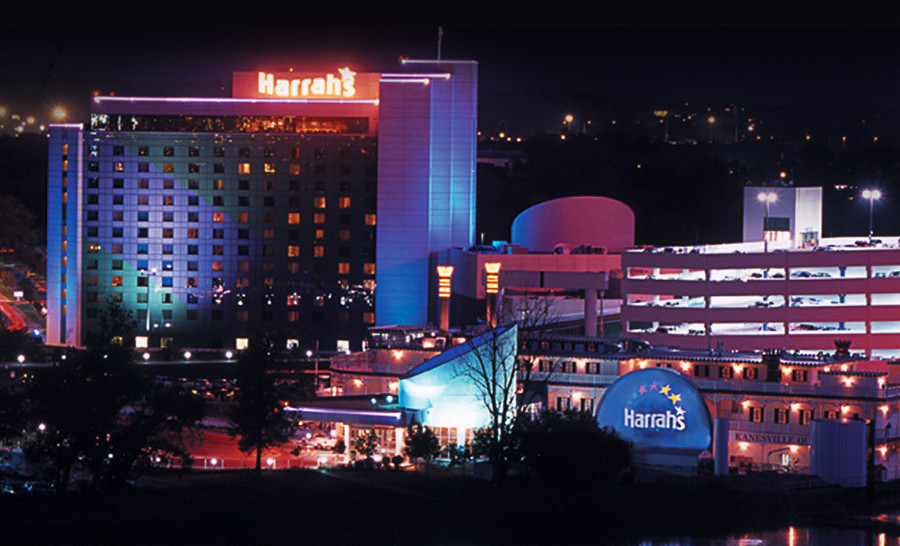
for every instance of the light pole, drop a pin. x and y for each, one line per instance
(767, 198)
(872, 196)
(711, 120)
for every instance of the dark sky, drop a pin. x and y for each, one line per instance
(761, 52)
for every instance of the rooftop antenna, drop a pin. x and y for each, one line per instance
(440, 39)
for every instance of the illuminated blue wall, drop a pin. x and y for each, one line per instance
(657, 409)
(444, 391)
(426, 180)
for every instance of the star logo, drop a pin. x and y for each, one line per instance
(675, 398)
(679, 410)
(346, 73)
(642, 390)
(665, 390)
(653, 386)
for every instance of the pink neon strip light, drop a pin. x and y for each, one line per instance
(238, 101)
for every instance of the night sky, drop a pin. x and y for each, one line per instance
(760, 54)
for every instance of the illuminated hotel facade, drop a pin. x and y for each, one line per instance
(277, 209)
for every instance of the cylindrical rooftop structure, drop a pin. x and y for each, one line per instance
(599, 222)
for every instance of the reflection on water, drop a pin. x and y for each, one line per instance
(797, 536)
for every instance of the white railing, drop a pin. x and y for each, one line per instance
(268, 463)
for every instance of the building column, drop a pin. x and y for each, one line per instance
(590, 312)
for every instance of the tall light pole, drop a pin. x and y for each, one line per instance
(767, 198)
(872, 196)
(711, 120)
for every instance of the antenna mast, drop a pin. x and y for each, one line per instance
(440, 39)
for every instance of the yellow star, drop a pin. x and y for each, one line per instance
(675, 398)
(665, 390)
(346, 73)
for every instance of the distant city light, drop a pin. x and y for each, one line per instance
(59, 112)
(569, 118)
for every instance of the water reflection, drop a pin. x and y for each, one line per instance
(796, 536)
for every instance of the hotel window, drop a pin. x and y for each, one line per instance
(117, 248)
(167, 298)
(756, 414)
(218, 217)
(320, 234)
(268, 250)
(244, 152)
(344, 202)
(168, 200)
(93, 199)
(219, 168)
(293, 235)
(243, 250)
(268, 218)
(193, 200)
(218, 201)
(295, 152)
(193, 233)
(167, 314)
(243, 201)
(294, 169)
(192, 282)
(142, 296)
(218, 233)
(168, 217)
(369, 318)
(117, 265)
(343, 268)
(319, 202)
(218, 266)
(119, 166)
(319, 153)
(268, 201)
(116, 280)
(701, 370)
(191, 314)
(218, 151)
(143, 184)
(193, 249)
(218, 184)
(269, 152)
(168, 233)
(293, 316)
(242, 315)
(168, 151)
(799, 376)
(144, 151)
(143, 167)
(293, 299)
(168, 167)
(244, 185)
(92, 280)
(587, 405)
(344, 235)
(193, 167)
(293, 251)
(168, 249)
(268, 168)
(193, 217)
(293, 218)
(93, 183)
(726, 372)
(142, 248)
(243, 282)
(751, 373)
(293, 267)
(370, 219)
(118, 150)
(193, 184)
(243, 168)
(194, 151)
(782, 416)
(192, 266)
(118, 216)
(143, 200)
(118, 199)
(804, 416)
(168, 184)
(318, 251)
(829, 414)
(369, 269)
(93, 216)
(243, 217)
(563, 403)
(168, 265)
(118, 183)
(218, 250)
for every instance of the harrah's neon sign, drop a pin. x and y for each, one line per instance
(667, 420)
(328, 86)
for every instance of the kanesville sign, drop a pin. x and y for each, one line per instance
(657, 409)
(342, 83)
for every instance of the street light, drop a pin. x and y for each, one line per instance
(767, 198)
(872, 196)
(711, 120)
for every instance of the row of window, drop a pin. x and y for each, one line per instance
(228, 124)
(242, 315)
(194, 201)
(268, 152)
(219, 184)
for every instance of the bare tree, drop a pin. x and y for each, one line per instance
(490, 368)
(533, 314)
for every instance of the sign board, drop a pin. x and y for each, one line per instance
(657, 409)
(341, 83)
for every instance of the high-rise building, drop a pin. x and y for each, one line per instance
(273, 210)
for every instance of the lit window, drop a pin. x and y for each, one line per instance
(319, 202)
(168, 167)
(243, 217)
(294, 218)
(318, 251)
(293, 299)
(295, 169)
(218, 217)
(268, 234)
(140, 342)
(320, 234)
(343, 268)
(293, 251)
(119, 166)
(369, 269)
(116, 280)
(344, 202)
(243, 168)
(370, 219)
(319, 218)
(293, 316)
(344, 235)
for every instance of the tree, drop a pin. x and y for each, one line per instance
(568, 449)
(490, 367)
(421, 443)
(366, 444)
(258, 416)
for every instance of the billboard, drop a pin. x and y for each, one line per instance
(657, 409)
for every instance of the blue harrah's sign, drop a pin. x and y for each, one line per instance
(657, 409)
